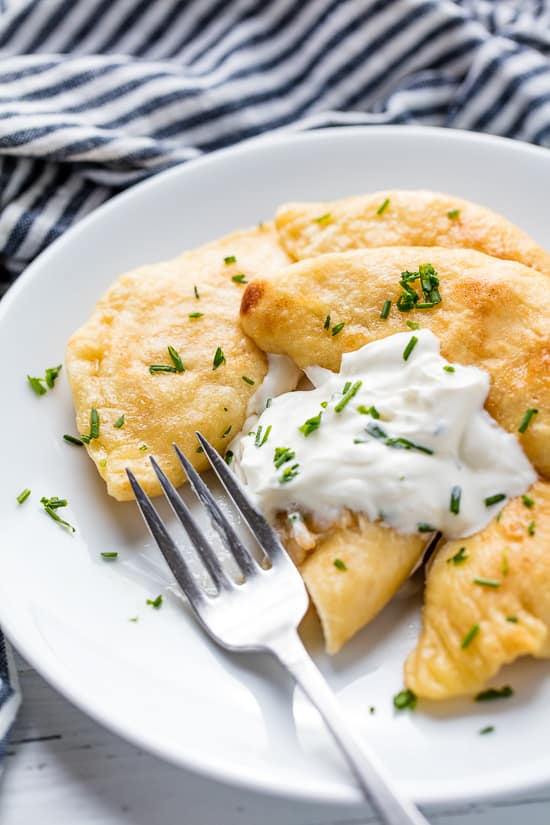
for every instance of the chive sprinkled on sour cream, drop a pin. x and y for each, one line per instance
(409, 348)
(454, 505)
(156, 603)
(496, 499)
(109, 555)
(311, 425)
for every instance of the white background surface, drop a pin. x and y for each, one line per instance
(64, 769)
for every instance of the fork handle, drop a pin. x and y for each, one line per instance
(371, 777)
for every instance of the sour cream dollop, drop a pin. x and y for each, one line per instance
(398, 434)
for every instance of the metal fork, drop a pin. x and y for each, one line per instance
(263, 612)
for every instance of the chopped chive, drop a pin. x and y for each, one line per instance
(528, 501)
(324, 404)
(385, 309)
(289, 473)
(50, 506)
(133, 618)
(410, 346)
(227, 431)
(531, 528)
(37, 385)
(199, 449)
(194, 315)
(372, 411)
(175, 357)
(512, 619)
(230, 259)
(51, 375)
(311, 425)
(339, 564)
(348, 395)
(282, 455)
(247, 380)
(266, 435)
(102, 462)
(23, 495)
(454, 505)
(453, 214)
(470, 636)
(504, 565)
(323, 218)
(498, 497)
(219, 358)
(525, 421)
(258, 436)
(372, 710)
(448, 368)
(109, 555)
(71, 439)
(94, 423)
(347, 385)
(143, 448)
(459, 557)
(326, 325)
(405, 444)
(426, 305)
(487, 582)
(240, 278)
(413, 325)
(196, 291)
(156, 603)
(424, 527)
(119, 422)
(486, 730)
(228, 458)
(161, 368)
(491, 694)
(376, 431)
(383, 206)
(404, 700)
(338, 327)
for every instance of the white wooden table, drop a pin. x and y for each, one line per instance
(64, 769)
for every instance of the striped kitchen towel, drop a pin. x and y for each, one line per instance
(98, 94)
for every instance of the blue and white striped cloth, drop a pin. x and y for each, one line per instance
(98, 94)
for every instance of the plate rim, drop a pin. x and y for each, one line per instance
(227, 773)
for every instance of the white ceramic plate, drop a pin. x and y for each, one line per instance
(159, 681)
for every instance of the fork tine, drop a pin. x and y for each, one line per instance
(198, 539)
(264, 533)
(240, 553)
(174, 559)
